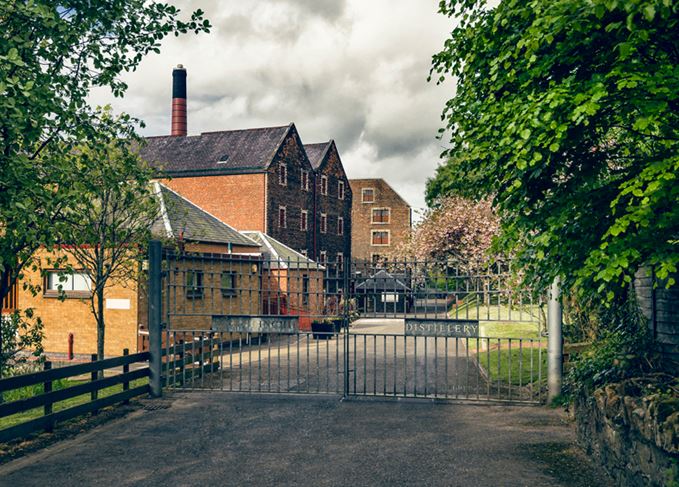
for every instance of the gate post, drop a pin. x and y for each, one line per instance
(555, 343)
(345, 323)
(154, 300)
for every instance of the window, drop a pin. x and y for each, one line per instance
(304, 221)
(340, 189)
(305, 290)
(340, 225)
(381, 215)
(324, 223)
(282, 217)
(283, 174)
(73, 284)
(194, 284)
(380, 237)
(304, 252)
(228, 283)
(324, 185)
(323, 257)
(305, 180)
(367, 195)
(340, 259)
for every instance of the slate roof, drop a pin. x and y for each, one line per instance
(181, 217)
(316, 152)
(228, 151)
(383, 281)
(282, 256)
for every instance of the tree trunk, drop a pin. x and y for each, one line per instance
(100, 325)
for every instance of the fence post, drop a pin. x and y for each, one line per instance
(555, 343)
(47, 388)
(93, 377)
(126, 369)
(345, 323)
(154, 300)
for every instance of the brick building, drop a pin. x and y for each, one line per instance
(380, 218)
(259, 179)
(333, 198)
(182, 225)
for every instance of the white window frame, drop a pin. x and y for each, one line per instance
(69, 280)
(282, 174)
(285, 217)
(323, 257)
(304, 220)
(305, 176)
(324, 184)
(339, 259)
(340, 225)
(372, 215)
(322, 226)
(372, 240)
(340, 190)
(363, 190)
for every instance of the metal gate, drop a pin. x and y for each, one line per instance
(410, 328)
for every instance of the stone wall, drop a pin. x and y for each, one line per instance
(635, 437)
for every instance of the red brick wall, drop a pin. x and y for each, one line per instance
(236, 199)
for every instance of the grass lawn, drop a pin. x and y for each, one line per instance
(509, 329)
(519, 374)
(25, 392)
(472, 309)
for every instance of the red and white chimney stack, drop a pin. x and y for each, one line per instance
(178, 101)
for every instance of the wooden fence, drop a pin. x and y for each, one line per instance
(49, 397)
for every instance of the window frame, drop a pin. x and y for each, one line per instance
(282, 174)
(283, 210)
(323, 224)
(341, 188)
(304, 179)
(379, 208)
(323, 257)
(339, 259)
(363, 191)
(304, 220)
(71, 293)
(340, 225)
(197, 289)
(233, 290)
(324, 184)
(372, 238)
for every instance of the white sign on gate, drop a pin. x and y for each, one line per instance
(441, 328)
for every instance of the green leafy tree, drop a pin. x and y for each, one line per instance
(567, 113)
(51, 56)
(109, 226)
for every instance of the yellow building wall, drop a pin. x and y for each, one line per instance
(74, 315)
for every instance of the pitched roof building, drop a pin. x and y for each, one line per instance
(381, 219)
(260, 179)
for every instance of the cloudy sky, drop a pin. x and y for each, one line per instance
(351, 70)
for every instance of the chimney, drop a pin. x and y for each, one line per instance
(178, 101)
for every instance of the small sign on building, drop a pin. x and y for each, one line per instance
(255, 324)
(441, 328)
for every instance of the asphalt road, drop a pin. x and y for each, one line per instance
(211, 438)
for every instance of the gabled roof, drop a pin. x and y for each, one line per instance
(317, 152)
(383, 281)
(228, 151)
(181, 218)
(358, 184)
(282, 256)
